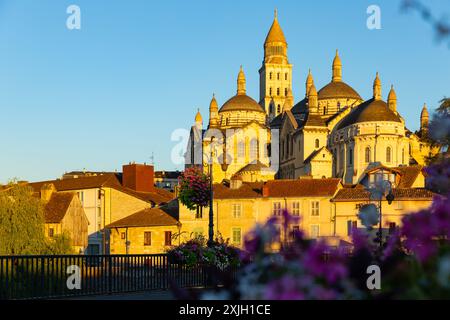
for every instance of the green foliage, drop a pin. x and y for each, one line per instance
(21, 221)
(444, 106)
(60, 244)
(22, 224)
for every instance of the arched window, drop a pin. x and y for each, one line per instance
(350, 156)
(278, 108)
(278, 76)
(285, 91)
(253, 149)
(388, 154)
(367, 155)
(270, 91)
(339, 106)
(278, 91)
(285, 76)
(324, 110)
(317, 143)
(270, 76)
(241, 149)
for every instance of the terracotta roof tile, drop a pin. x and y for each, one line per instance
(303, 187)
(146, 218)
(279, 188)
(247, 190)
(108, 180)
(350, 194)
(57, 207)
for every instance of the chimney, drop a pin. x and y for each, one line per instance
(265, 190)
(47, 191)
(235, 182)
(138, 177)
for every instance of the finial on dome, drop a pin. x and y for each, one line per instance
(198, 117)
(392, 99)
(309, 82)
(313, 102)
(241, 82)
(377, 87)
(424, 119)
(275, 16)
(337, 68)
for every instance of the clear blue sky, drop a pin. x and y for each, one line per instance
(114, 91)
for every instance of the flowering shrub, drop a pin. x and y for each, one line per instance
(415, 262)
(195, 252)
(194, 189)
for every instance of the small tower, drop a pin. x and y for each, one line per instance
(337, 68)
(275, 74)
(377, 88)
(392, 99)
(241, 82)
(213, 113)
(424, 119)
(313, 102)
(309, 82)
(198, 120)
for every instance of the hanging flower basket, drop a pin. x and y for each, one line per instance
(194, 189)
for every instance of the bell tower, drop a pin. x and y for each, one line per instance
(275, 74)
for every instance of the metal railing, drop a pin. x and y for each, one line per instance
(52, 276)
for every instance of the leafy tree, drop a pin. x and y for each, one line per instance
(444, 107)
(60, 244)
(22, 224)
(21, 221)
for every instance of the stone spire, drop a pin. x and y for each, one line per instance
(213, 112)
(241, 82)
(198, 119)
(392, 99)
(377, 88)
(337, 68)
(424, 119)
(275, 44)
(313, 103)
(309, 82)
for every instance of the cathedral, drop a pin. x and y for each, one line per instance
(330, 133)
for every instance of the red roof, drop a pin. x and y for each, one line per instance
(108, 180)
(145, 218)
(280, 188)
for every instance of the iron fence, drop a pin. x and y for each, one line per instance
(52, 276)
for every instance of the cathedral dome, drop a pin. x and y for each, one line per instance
(241, 102)
(335, 90)
(369, 111)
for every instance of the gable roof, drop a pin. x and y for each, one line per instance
(150, 217)
(104, 181)
(408, 174)
(56, 208)
(314, 154)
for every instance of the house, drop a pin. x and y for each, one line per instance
(64, 214)
(109, 197)
(151, 230)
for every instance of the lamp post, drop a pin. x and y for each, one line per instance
(211, 211)
(389, 197)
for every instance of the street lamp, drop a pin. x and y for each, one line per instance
(211, 212)
(389, 197)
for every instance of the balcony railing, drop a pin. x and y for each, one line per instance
(35, 277)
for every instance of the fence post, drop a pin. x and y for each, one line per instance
(110, 275)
